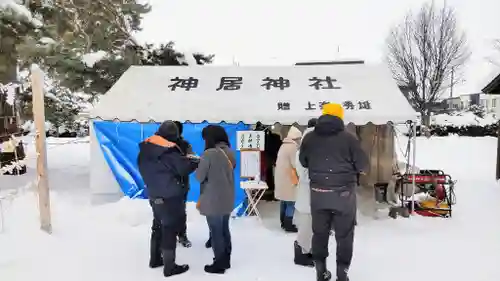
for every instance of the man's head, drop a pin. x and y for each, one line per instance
(179, 127)
(169, 131)
(312, 122)
(333, 109)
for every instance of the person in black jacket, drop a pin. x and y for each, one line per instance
(334, 159)
(186, 149)
(163, 168)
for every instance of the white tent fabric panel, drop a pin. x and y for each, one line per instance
(103, 186)
(368, 92)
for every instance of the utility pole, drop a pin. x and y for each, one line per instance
(452, 81)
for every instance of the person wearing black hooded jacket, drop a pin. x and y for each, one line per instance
(163, 168)
(186, 149)
(334, 159)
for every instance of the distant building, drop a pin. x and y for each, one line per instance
(492, 89)
(463, 102)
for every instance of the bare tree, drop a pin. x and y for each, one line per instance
(426, 53)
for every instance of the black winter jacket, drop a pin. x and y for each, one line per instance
(163, 168)
(333, 156)
(186, 149)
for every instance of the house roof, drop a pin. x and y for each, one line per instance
(493, 87)
(145, 93)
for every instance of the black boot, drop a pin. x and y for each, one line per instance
(282, 220)
(208, 244)
(226, 263)
(184, 241)
(218, 267)
(155, 259)
(342, 273)
(289, 226)
(301, 258)
(170, 268)
(322, 273)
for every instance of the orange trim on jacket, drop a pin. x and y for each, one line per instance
(155, 139)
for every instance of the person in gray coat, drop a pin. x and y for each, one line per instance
(216, 202)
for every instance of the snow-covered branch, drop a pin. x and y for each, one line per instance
(10, 7)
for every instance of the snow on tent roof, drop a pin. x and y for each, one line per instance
(146, 93)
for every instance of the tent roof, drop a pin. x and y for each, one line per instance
(143, 93)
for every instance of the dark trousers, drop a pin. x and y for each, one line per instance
(220, 236)
(342, 220)
(287, 209)
(183, 230)
(168, 217)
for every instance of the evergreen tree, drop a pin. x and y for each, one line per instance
(16, 23)
(102, 29)
(61, 35)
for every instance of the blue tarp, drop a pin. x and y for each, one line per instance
(119, 144)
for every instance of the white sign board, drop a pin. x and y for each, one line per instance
(250, 140)
(250, 164)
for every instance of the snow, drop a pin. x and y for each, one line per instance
(463, 119)
(10, 90)
(110, 242)
(47, 41)
(188, 58)
(19, 10)
(91, 59)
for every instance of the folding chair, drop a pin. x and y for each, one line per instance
(254, 191)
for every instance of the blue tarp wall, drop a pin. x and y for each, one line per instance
(119, 143)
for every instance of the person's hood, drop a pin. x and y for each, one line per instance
(156, 145)
(294, 133)
(169, 131)
(329, 125)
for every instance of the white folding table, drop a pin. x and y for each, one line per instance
(254, 191)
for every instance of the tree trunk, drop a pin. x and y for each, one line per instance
(425, 118)
(8, 73)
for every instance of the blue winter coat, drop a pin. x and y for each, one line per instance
(163, 168)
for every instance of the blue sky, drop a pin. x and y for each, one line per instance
(261, 32)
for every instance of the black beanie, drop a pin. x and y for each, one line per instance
(312, 122)
(179, 126)
(169, 131)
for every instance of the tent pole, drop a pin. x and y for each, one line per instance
(414, 170)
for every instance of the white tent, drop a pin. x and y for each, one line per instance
(286, 95)
(143, 94)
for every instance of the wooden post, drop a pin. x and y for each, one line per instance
(37, 85)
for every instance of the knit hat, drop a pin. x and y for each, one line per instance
(169, 131)
(294, 133)
(333, 109)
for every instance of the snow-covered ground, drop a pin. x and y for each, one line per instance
(110, 242)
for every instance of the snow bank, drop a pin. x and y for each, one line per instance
(111, 242)
(462, 119)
